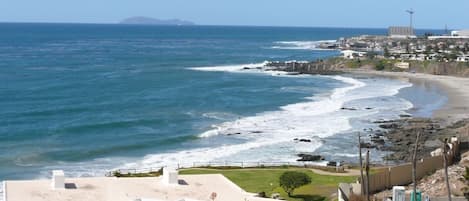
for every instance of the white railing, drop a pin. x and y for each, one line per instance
(228, 164)
(2, 191)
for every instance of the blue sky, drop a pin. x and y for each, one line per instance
(329, 13)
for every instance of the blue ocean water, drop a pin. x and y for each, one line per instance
(90, 98)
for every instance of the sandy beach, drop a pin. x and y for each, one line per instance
(455, 88)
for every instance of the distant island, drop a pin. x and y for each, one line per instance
(153, 21)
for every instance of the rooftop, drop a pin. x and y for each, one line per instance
(191, 187)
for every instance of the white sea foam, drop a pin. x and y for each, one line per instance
(220, 115)
(317, 118)
(247, 68)
(268, 136)
(301, 45)
(230, 68)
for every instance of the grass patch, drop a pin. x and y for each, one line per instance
(322, 187)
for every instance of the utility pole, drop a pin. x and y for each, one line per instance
(411, 13)
(361, 164)
(367, 169)
(414, 166)
(445, 163)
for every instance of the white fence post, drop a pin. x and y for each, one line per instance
(4, 191)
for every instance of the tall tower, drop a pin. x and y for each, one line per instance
(411, 13)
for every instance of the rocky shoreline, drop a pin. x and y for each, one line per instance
(396, 136)
(323, 67)
(400, 136)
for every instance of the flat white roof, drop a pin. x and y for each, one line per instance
(192, 187)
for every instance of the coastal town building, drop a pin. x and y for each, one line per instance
(401, 32)
(351, 54)
(456, 34)
(463, 58)
(401, 44)
(460, 33)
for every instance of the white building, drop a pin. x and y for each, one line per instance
(460, 33)
(351, 54)
(463, 58)
(457, 34)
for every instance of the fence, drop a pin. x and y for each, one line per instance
(402, 174)
(230, 164)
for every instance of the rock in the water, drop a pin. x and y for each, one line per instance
(348, 108)
(302, 140)
(308, 157)
(367, 145)
(405, 115)
(389, 126)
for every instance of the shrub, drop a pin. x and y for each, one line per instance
(291, 180)
(262, 194)
(380, 65)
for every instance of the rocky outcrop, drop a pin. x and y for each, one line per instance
(308, 157)
(323, 67)
(402, 134)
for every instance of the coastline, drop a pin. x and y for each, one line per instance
(456, 90)
(451, 119)
(437, 115)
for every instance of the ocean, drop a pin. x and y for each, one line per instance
(89, 98)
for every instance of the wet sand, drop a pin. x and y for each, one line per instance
(455, 88)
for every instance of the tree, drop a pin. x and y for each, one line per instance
(291, 180)
(380, 65)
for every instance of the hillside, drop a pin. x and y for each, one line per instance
(153, 21)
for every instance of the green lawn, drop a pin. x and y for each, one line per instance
(321, 188)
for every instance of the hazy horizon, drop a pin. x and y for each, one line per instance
(334, 13)
(208, 25)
